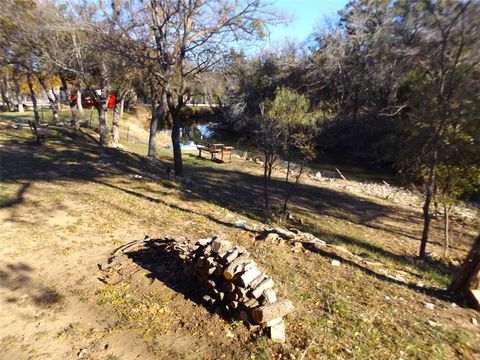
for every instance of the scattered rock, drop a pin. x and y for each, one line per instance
(241, 224)
(429, 306)
(81, 353)
(297, 247)
(335, 262)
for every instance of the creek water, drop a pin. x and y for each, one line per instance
(326, 165)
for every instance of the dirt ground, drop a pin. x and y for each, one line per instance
(66, 206)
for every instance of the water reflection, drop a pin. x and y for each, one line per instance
(190, 134)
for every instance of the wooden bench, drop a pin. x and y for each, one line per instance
(215, 149)
(41, 134)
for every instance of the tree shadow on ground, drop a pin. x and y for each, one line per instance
(79, 158)
(440, 294)
(19, 196)
(17, 280)
(76, 158)
(167, 267)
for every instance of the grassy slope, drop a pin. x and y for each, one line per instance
(66, 206)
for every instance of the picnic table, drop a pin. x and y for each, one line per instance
(218, 152)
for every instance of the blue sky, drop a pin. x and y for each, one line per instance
(307, 14)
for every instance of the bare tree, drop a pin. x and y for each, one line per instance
(190, 38)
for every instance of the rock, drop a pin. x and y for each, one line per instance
(297, 247)
(432, 323)
(409, 259)
(454, 305)
(318, 175)
(335, 262)
(429, 306)
(241, 224)
(387, 297)
(455, 263)
(474, 322)
(229, 334)
(229, 216)
(81, 353)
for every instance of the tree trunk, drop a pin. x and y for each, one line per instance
(446, 209)
(152, 143)
(177, 151)
(79, 100)
(71, 93)
(34, 99)
(51, 99)
(292, 187)
(174, 109)
(287, 188)
(468, 276)
(4, 91)
(116, 117)
(428, 200)
(122, 105)
(102, 122)
(265, 185)
(18, 96)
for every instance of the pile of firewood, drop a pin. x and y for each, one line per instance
(236, 284)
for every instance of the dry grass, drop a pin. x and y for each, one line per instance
(66, 206)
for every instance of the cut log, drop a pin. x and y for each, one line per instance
(218, 271)
(229, 286)
(242, 250)
(251, 303)
(229, 272)
(245, 266)
(269, 312)
(231, 296)
(244, 316)
(277, 332)
(286, 234)
(231, 255)
(219, 246)
(248, 276)
(241, 292)
(269, 296)
(234, 305)
(218, 294)
(274, 322)
(257, 281)
(204, 242)
(207, 250)
(267, 283)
